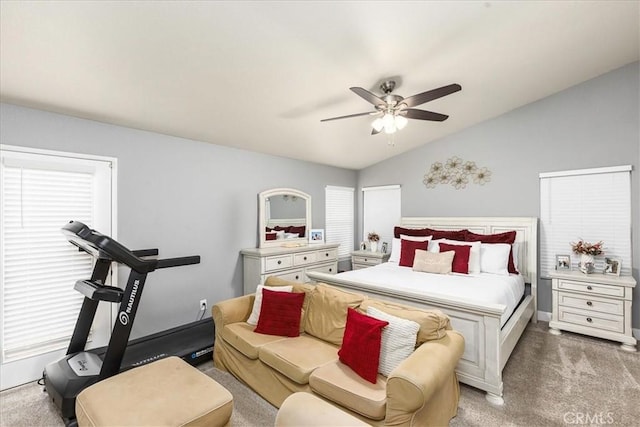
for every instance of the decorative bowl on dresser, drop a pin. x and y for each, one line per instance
(364, 259)
(595, 304)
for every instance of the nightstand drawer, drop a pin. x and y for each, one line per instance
(591, 288)
(365, 260)
(584, 302)
(278, 262)
(305, 258)
(592, 319)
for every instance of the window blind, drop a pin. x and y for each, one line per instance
(381, 207)
(339, 222)
(589, 204)
(39, 266)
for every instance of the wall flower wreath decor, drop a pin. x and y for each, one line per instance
(456, 172)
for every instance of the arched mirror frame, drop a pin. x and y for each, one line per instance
(262, 220)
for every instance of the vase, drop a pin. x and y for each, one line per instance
(373, 246)
(587, 263)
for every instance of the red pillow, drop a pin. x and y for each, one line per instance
(508, 237)
(361, 344)
(297, 229)
(408, 251)
(460, 259)
(280, 313)
(437, 234)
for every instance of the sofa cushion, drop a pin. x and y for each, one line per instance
(327, 313)
(296, 358)
(257, 302)
(280, 313)
(361, 344)
(433, 323)
(338, 383)
(242, 337)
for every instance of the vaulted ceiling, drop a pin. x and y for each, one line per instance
(261, 75)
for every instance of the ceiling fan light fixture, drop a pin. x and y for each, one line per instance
(377, 124)
(401, 122)
(389, 123)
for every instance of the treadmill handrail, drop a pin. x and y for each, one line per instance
(100, 245)
(176, 262)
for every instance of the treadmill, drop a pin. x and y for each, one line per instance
(80, 368)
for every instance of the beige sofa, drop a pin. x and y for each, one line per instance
(423, 390)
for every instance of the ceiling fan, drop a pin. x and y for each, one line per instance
(393, 110)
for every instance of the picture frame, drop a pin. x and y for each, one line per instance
(385, 247)
(363, 246)
(316, 235)
(563, 262)
(612, 266)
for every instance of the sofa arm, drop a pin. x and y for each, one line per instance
(412, 383)
(232, 311)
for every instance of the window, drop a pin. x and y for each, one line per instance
(589, 204)
(381, 207)
(339, 216)
(42, 191)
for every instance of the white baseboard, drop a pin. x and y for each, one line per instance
(544, 316)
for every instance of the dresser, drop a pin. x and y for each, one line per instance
(288, 263)
(596, 304)
(364, 259)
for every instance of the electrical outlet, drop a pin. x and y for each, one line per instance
(203, 304)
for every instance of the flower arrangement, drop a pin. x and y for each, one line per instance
(373, 237)
(586, 248)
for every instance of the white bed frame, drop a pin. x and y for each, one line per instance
(487, 345)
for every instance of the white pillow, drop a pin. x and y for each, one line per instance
(515, 247)
(474, 253)
(494, 258)
(398, 340)
(257, 302)
(395, 245)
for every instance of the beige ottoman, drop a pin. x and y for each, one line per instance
(167, 392)
(307, 410)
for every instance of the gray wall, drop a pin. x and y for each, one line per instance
(594, 124)
(181, 196)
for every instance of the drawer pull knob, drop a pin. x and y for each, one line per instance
(589, 319)
(589, 303)
(305, 258)
(330, 270)
(297, 277)
(589, 287)
(279, 262)
(365, 260)
(326, 254)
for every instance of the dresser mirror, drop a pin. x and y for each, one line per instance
(284, 217)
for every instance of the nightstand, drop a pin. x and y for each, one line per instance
(364, 259)
(595, 304)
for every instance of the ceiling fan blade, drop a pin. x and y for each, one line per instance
(430, 95)
(412, 113)
(375, 132)
(350, 115)
(367, 96)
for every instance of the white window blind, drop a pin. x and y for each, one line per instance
(39, 268)
(339, 214)
(381, 207)
(589, 204)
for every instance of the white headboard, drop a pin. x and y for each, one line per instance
(526, 229)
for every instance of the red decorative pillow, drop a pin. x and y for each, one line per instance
(270, 235)
(408, 251)
(280, 313)
(297, 229)
(508, 237)
(460, 259)
(437, 234)
(361, 344)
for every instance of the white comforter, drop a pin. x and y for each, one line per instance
(480, 288)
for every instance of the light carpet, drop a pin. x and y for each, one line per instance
(549, 381)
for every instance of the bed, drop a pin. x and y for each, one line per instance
(491, 327)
